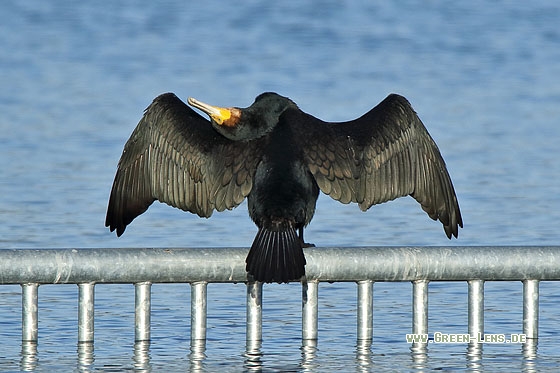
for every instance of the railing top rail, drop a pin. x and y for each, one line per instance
(133, 265)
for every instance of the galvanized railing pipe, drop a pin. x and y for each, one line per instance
(310, 310)
(254, 311)
(29, 312)
(198, 311)
(365, 310)
(531, 308)
(476, 308)
(142, 311)
(85, 267)
(420, 307)
(73, 266)
(86, 313)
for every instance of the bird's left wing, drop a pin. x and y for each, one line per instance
(175, 156)
(385, 154)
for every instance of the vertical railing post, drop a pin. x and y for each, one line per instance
(86, 312)
(253, 334)
(142, 311)
(531, 308)
(254, 311)
(420, 307)
(420, 322)
(310, 310)
(476, 308)
(198, 310)
(29, 312)
(365, 310)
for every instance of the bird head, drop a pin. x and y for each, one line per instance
(228, 117)
(246, 123)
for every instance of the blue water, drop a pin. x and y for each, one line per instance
(75, 77)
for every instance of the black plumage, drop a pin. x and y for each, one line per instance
(279, 158)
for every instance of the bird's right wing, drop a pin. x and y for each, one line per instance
(385, 154)
(176, 157)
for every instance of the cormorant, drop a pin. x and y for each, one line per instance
(279, 157)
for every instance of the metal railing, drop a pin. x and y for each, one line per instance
(365, 266)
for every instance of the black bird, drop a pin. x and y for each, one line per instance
(279, 158)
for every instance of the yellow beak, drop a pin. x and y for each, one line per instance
(218, 114)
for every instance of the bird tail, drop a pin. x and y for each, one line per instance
(276, 256)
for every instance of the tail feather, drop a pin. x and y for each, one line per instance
(276, 256)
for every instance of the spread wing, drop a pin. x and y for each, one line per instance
(175, 156)
(385, 154)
